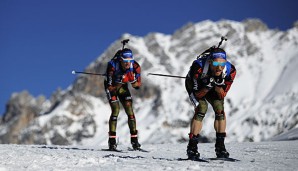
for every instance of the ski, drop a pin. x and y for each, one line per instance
(139, 149)
(181, 159)
(115, 150)
(224, 159)
(123, 157)
(194, 159)
(161, 158)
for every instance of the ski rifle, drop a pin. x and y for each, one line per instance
(207, 52)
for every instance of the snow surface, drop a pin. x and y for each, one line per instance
(278, 155)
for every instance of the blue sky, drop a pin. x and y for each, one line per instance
(42, 41)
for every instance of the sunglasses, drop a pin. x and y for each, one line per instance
(127, 60)
(214, 63)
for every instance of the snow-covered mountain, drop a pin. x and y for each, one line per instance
(262, 102)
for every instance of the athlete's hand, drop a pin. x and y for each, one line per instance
(219, 81)
(208, 82)
(131, 77)
(112, 88)
(135, 85)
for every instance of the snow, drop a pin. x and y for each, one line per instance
(278, 155)
(289, 135)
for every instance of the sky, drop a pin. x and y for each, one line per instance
(41, 42)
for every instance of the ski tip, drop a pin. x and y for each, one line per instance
(73, 72)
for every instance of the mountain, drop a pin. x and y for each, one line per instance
(261, 104)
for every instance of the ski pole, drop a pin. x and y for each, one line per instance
(89, 73)
(164, 75)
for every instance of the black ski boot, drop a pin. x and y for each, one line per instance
(134, 141)
(112, 141)
(220, 148)
(192, 147)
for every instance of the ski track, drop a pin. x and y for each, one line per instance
(275, 155)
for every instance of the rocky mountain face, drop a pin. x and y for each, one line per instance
(262, 102)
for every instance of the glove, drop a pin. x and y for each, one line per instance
(135, 85)
(208, 82)
(131, 77)
(112, 88)
(219, 81)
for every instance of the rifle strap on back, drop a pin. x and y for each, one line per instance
(206, 67)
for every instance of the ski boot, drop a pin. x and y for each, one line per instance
(192, 147)
(112, 141)
(220, 148)
(134, 141)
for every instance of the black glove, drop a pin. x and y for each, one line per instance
(208, 82)
(219, 81)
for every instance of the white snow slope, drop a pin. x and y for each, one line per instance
(278, 155)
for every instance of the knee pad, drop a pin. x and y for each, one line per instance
(128, 98)
(220, 116)
(199, 116)
(113, 118)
